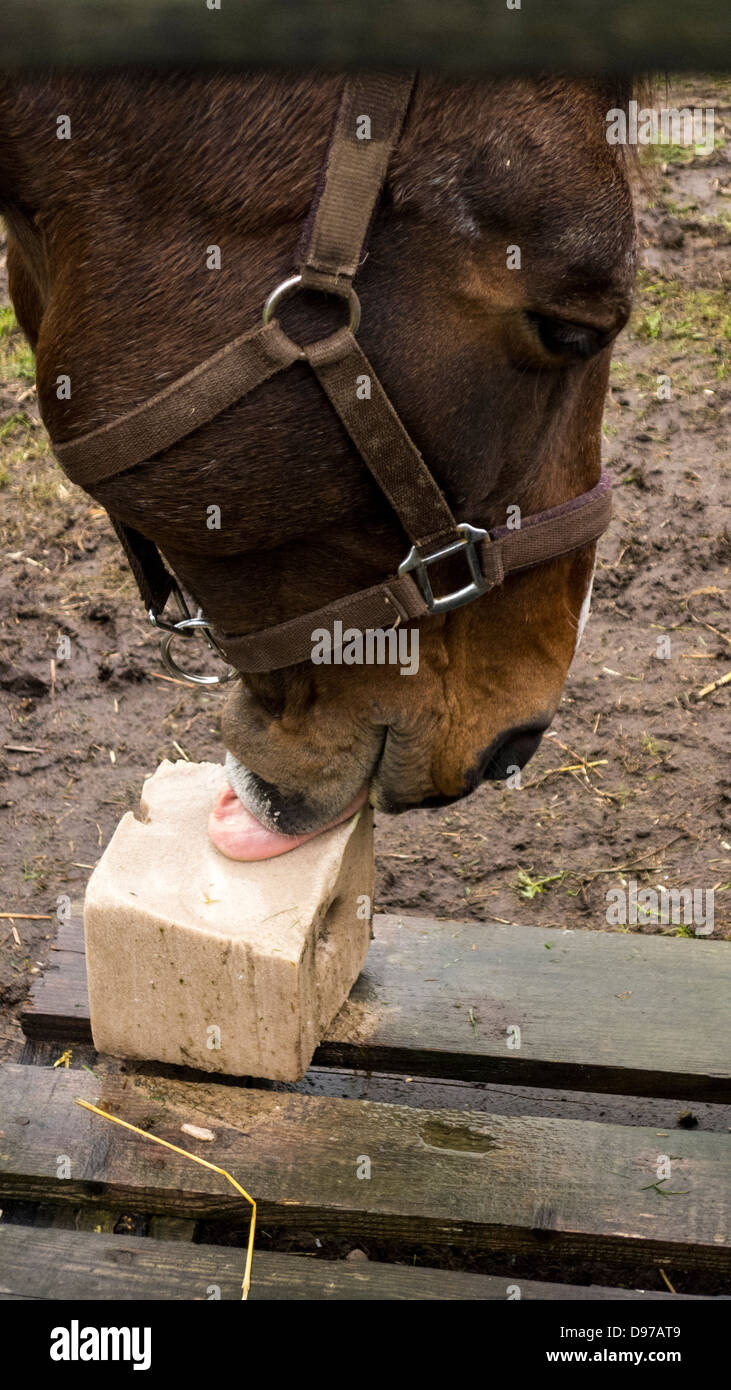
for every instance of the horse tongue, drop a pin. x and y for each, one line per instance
(239, 835)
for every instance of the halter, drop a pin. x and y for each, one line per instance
(333, 242)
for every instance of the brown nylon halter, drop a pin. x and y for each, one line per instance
(333, 239)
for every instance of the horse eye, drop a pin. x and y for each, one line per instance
(566, 339)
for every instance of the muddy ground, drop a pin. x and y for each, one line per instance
(633, 781)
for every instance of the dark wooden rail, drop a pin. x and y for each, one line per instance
(533, 1186)
(597, 1011)
(71, 1264)
(447, 1178)
(460, 36)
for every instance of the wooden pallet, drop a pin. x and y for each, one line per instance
(480, 1160)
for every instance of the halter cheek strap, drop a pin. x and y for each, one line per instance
(369, 123)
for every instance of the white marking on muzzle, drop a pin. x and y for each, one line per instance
(584, 614)
(246, 789)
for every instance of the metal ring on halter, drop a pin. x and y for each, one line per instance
(290, 286)
(185, 628)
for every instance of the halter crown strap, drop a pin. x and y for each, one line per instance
(370, 118)
(369, 123)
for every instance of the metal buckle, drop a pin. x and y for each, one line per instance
(420, 563)
(188, 625)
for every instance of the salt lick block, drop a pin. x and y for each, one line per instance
(195, 959)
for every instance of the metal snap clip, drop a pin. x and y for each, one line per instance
(187, 626)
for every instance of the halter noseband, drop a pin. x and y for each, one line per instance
(334, 238)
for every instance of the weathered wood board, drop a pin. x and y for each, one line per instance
(51, 1264)
(513, 1184)
(472, 37)
(596, 1011)
(438, 1093)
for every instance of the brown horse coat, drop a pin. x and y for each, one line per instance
(499, 372)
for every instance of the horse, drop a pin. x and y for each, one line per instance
(150, 214)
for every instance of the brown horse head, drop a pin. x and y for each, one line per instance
(498, 273)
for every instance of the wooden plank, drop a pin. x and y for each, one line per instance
(597, 1011)
(70, 935)
(440, 1094)
(557, 1189)
(602, 1011)
(587, 35)
(58, 1007)
(68, 1265)
(392, 1088)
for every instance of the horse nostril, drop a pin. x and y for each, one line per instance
(512, 749)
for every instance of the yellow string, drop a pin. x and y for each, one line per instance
(246, 1283)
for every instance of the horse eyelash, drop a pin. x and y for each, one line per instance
(558, 336)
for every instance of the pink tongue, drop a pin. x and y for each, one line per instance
(239, 835)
